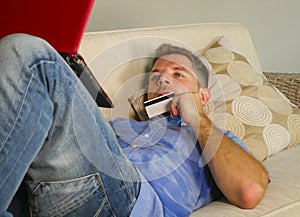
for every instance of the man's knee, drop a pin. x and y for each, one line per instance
(22, 44)
(18, 39)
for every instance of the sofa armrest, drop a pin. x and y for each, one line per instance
(287, 83)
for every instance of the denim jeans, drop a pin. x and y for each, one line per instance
(53, 136)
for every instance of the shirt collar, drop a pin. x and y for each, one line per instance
(176, 121)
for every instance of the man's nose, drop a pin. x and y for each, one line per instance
(164, 79)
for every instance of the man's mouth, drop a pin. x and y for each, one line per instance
(162, 93)
(158, 105)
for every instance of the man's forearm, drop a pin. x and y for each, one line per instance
(241, 178)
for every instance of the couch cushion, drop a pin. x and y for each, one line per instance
(282, 196)
(245, 103)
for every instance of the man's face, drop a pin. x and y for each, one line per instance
(172, 73)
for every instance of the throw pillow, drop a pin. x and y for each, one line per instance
(245, 103)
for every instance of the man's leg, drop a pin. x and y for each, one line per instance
(51, 129)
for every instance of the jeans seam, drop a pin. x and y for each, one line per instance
(105, 195)
(60, 67)
(14, 124)
(18, 114)
(65, 181)
(101, 207)
(129, 196)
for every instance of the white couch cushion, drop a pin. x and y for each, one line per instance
(283, 194)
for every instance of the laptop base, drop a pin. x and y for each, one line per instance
(80, 68)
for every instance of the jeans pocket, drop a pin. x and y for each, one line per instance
(84, 196)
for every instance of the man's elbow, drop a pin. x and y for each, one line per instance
(252, 195)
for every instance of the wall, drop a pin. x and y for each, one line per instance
(273, 24)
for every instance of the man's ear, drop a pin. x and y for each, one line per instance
(205, 94)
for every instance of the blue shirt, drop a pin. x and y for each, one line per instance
(175, 180)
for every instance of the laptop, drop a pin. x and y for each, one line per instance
(62, 24)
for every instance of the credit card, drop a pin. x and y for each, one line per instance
(159, 105)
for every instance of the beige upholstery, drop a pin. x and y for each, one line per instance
(118, 60)
(117, 57)
(195, 35)
(282, 198)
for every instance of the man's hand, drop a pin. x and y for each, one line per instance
(189, 107)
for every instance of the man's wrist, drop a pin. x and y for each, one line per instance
(202, 127)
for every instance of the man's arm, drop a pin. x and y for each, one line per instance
(241, 178)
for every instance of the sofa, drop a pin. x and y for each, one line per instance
(260, 107)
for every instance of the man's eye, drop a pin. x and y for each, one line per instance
(179, 75)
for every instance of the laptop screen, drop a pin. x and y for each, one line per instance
(60, 22)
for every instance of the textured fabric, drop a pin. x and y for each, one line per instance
(166, 155)
(248, 105)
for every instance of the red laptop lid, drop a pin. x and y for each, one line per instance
(60, 22)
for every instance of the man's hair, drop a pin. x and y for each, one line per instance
(199, 68)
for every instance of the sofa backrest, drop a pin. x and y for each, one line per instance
(119, 58)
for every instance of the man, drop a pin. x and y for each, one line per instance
(74, 164)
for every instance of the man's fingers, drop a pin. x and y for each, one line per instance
(174, 109)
